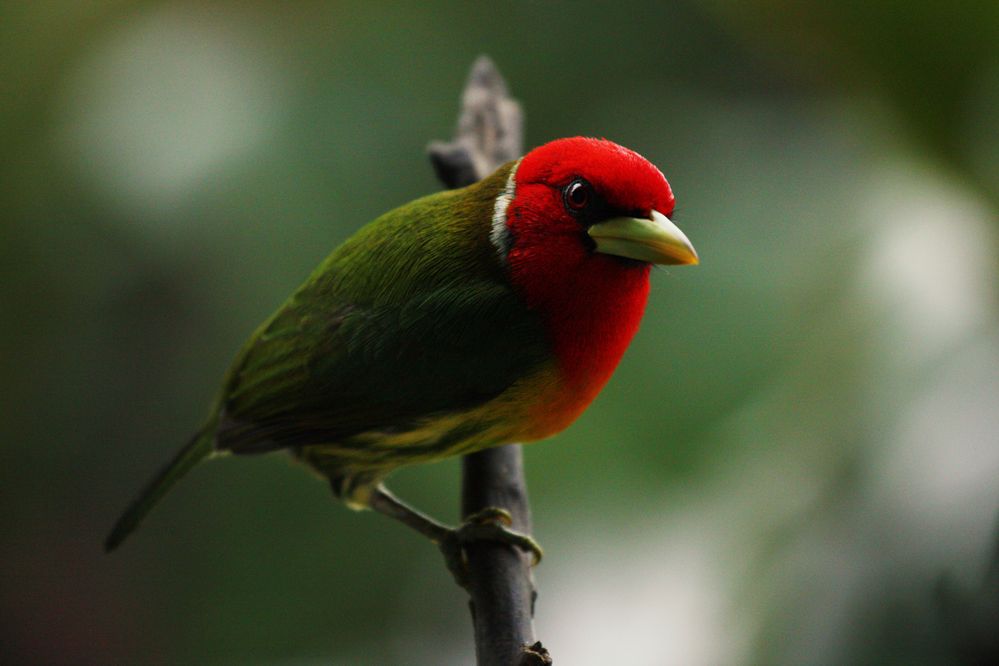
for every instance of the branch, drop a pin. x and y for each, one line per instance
(490, 130)
(489, 134)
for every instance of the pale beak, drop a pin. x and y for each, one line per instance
(655, 240)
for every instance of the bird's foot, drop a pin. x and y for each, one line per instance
(491, 524)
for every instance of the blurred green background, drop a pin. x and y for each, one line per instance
(796, 462)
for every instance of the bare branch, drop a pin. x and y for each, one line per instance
(490, 133)
(490, 130)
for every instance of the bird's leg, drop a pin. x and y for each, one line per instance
(384, 502)
(491, 524)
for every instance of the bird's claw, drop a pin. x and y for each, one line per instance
(490, 524)
(490, 514)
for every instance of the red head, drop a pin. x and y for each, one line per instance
(574, 204)
(578, 226)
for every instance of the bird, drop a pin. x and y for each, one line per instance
(465, 319)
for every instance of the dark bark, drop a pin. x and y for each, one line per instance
(489, 134)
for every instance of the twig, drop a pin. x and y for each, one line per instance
(490, 133)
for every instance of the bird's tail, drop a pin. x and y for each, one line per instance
(196, 450)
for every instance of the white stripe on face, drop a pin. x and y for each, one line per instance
(500, 233)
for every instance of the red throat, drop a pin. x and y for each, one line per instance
(592, 312)
(591, 302)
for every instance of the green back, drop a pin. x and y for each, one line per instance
(412, 316)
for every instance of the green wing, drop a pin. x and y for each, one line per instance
(411, 317)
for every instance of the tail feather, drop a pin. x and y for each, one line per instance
(196, 450)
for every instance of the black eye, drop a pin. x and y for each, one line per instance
(577, 195)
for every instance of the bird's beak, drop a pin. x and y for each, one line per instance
(655, 240)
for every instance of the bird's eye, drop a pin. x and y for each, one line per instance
(577, 194)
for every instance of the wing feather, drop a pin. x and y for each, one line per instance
(406, 320)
